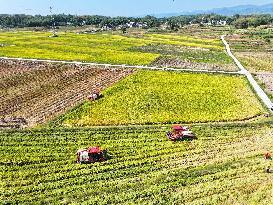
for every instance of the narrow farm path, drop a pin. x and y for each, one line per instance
(263, 96)
(107, 66)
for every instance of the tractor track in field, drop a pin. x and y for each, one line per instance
(258, 90)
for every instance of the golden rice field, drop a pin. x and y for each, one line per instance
(224, 166)
(100, 48)
(158, 97)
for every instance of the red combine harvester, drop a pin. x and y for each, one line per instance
(91, 155)
(180, 133)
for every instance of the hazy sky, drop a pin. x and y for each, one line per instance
(116, 7)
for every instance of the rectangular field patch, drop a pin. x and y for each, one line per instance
(158, 97)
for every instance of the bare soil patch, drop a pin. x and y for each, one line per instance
(38, 92)
(266, 78)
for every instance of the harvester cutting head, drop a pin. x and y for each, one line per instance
(91, 155)
(180, 133)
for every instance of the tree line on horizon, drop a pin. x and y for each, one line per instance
(172, 23)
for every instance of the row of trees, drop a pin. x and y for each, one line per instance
(21, 20)
(252, 21)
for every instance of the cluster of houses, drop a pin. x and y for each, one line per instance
(127, 25)
(214, 23)
(110, 27)
(165, 26)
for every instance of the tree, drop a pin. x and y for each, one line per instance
(241, 23)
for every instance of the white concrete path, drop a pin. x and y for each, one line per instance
(107, 66)
(250, 78)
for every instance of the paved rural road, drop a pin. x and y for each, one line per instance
(250, 78)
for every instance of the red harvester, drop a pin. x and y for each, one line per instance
(180, 133)
(91, 155)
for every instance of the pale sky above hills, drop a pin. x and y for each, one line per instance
(117, 7)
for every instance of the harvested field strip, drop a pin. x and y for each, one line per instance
(195, 58)
(265, 80)
(190, 55)
(223, 162)
(178, 63)
(43, 91)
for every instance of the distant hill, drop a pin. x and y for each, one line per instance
(228, 11)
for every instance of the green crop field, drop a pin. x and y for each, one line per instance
(153, 97)
(224, 166)
(100, 48)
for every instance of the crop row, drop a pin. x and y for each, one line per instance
(144, 167)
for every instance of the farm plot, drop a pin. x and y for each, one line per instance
(193, 58)
(100, 48)
(256, 61)
(182, 51)
(146, 49)
(265, 79)
(224, 166)
(254, 49)
(249, 40)
(38, 92)
(154, 97)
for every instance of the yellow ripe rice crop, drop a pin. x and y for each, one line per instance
(100, 48)
(154, 97)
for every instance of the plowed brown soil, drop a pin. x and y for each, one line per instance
(38, 92)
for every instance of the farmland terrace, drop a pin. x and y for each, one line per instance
(224, 165)
(180, 51)
(254, 49)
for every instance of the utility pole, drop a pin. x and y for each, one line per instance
(54, 32)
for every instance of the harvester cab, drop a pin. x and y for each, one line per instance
(180, 133)
(91, 155)
(94, 96)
